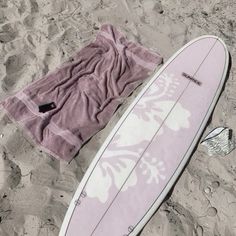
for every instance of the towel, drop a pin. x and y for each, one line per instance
(66, 107)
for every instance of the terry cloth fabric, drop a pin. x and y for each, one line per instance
(62, 110)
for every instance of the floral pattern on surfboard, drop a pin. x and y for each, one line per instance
(128, 145)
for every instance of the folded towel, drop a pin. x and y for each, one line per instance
(62, 110)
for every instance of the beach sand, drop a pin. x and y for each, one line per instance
(36, 36)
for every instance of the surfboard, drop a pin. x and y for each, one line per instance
(145, 153)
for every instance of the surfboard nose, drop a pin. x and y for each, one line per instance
(214, 65)
(219, 45)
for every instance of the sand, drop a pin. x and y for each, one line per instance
(36, 36)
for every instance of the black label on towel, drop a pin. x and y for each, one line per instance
(47, 107)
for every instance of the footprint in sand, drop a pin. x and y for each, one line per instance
(7, 33)
(53, 30)
(15, 143)
(33, 6)
(30, 20)
(16, 63)
(43, 175)
(10, 173)
(66, 182)
(19, 69)
(35, 41)
(15, 175)
(54, 212)
(30, 200)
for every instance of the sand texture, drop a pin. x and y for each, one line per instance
(36, 36)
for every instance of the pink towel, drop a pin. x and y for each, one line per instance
(86, 91)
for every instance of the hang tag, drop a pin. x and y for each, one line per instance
(47, 107)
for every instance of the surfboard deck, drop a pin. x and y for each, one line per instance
(146, 151)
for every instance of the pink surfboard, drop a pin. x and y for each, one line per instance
(150, 145)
